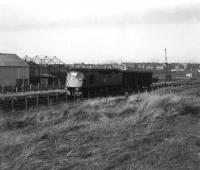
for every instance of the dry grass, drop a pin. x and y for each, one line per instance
(143, 132)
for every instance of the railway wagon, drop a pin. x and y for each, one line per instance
(137, 80)
(92, 82)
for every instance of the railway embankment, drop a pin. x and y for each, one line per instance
(144, 131)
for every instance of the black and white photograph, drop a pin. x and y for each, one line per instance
(99, 85)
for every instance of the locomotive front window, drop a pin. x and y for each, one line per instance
(74, 74)
(79, 76)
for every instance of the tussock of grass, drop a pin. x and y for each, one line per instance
(144, 132)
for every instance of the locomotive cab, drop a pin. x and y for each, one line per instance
(74, 79)
(74, 82)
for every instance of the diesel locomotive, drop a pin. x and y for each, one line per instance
(93, 82)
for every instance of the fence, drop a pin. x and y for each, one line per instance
(26, 88)
(29, 102)
(174, 84)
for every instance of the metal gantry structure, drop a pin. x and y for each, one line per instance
(48, 67)
(44, 60)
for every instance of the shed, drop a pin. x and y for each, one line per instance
(13, 70)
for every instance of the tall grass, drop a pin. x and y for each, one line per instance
(142, 132)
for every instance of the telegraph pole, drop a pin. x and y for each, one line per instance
(165, 56)
(166, 66)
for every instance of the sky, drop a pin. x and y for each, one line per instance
(99, 31)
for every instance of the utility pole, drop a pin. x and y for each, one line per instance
(166, 66)
(165, 56)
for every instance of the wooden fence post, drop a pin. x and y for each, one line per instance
(126, 94)
(22, 87)
(2, 88)
(48, 100)
(57, 98)
(37, 101)
(12, 105)
(26, 103)
(30, 87)
(95, 93)
(59, 84)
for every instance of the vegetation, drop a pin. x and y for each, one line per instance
(142, 132)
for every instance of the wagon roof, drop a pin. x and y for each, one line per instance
(84, 70)
(11, 60)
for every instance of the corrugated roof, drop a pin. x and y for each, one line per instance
(11, 60)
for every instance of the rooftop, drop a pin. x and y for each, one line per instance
(11, 60)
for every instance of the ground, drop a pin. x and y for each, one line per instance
(148, 131)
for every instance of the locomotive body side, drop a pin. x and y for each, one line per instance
(101, 78)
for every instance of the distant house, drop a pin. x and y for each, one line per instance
(13, 70)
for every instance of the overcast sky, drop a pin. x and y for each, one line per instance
(94, 31)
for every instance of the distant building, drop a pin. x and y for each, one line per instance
(160, 67)
(177, 69)
(188, 75)
(185, 65)
(149, 67)
(13, 70)
(178, 74)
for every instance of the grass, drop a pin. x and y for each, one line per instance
(143, 132)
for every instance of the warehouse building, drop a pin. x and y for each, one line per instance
(13, 70)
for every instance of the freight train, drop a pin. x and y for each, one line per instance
(93, 82)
